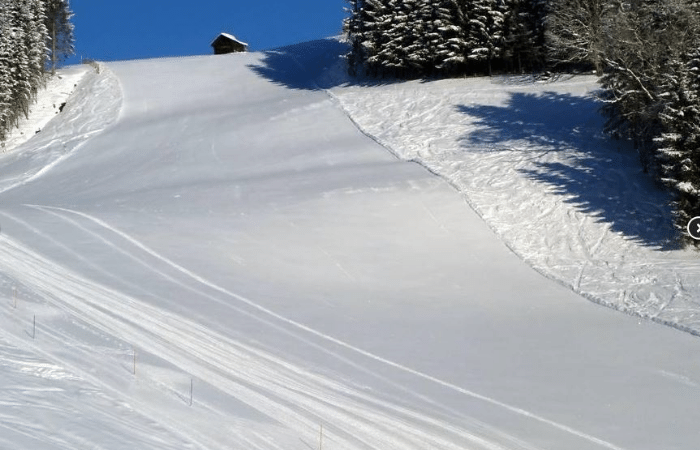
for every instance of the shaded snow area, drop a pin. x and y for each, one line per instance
(208, 253)
(530, 158)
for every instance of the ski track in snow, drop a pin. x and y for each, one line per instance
(497, 171)
(289, 394)
(230, 366)
(150, 267)
(38, 408)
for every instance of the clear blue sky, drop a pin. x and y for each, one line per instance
(132, 29)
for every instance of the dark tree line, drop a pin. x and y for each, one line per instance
(414, 38)
(34, 36)
(646, 52)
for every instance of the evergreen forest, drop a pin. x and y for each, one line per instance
(35, 35)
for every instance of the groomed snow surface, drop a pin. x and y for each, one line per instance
(249, 252)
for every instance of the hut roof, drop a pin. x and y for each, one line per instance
(229, 37)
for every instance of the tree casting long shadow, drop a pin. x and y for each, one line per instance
(598, 175)
(299, 66)
(311, 66)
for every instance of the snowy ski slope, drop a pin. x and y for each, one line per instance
(215, 256)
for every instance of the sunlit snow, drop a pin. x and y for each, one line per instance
(247, 251)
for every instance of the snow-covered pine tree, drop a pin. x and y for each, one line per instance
(353, 27)
(441, 37)
(6, 82)
(652, 77)
(20, 68)
(420, 45)
(427, 38)
(407, 37)
(22, 57)
(643, 39)
(35, 37)
(392, 57)
(485, 30)
(524, 38)
(679, 143)
(449, 37)
(60, 31)
(367, 30)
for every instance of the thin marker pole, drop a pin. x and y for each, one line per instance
(191, 389)
(14, 297)
(320, 439)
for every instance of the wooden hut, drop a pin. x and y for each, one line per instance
(227, 43)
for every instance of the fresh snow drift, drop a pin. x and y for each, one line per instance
(217, 257)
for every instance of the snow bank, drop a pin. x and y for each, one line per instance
(92, 103)
(49, 103)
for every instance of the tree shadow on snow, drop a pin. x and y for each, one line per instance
(561, 135)
(313, 65)
(299, 66)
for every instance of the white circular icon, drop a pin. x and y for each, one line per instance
(694, 228)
